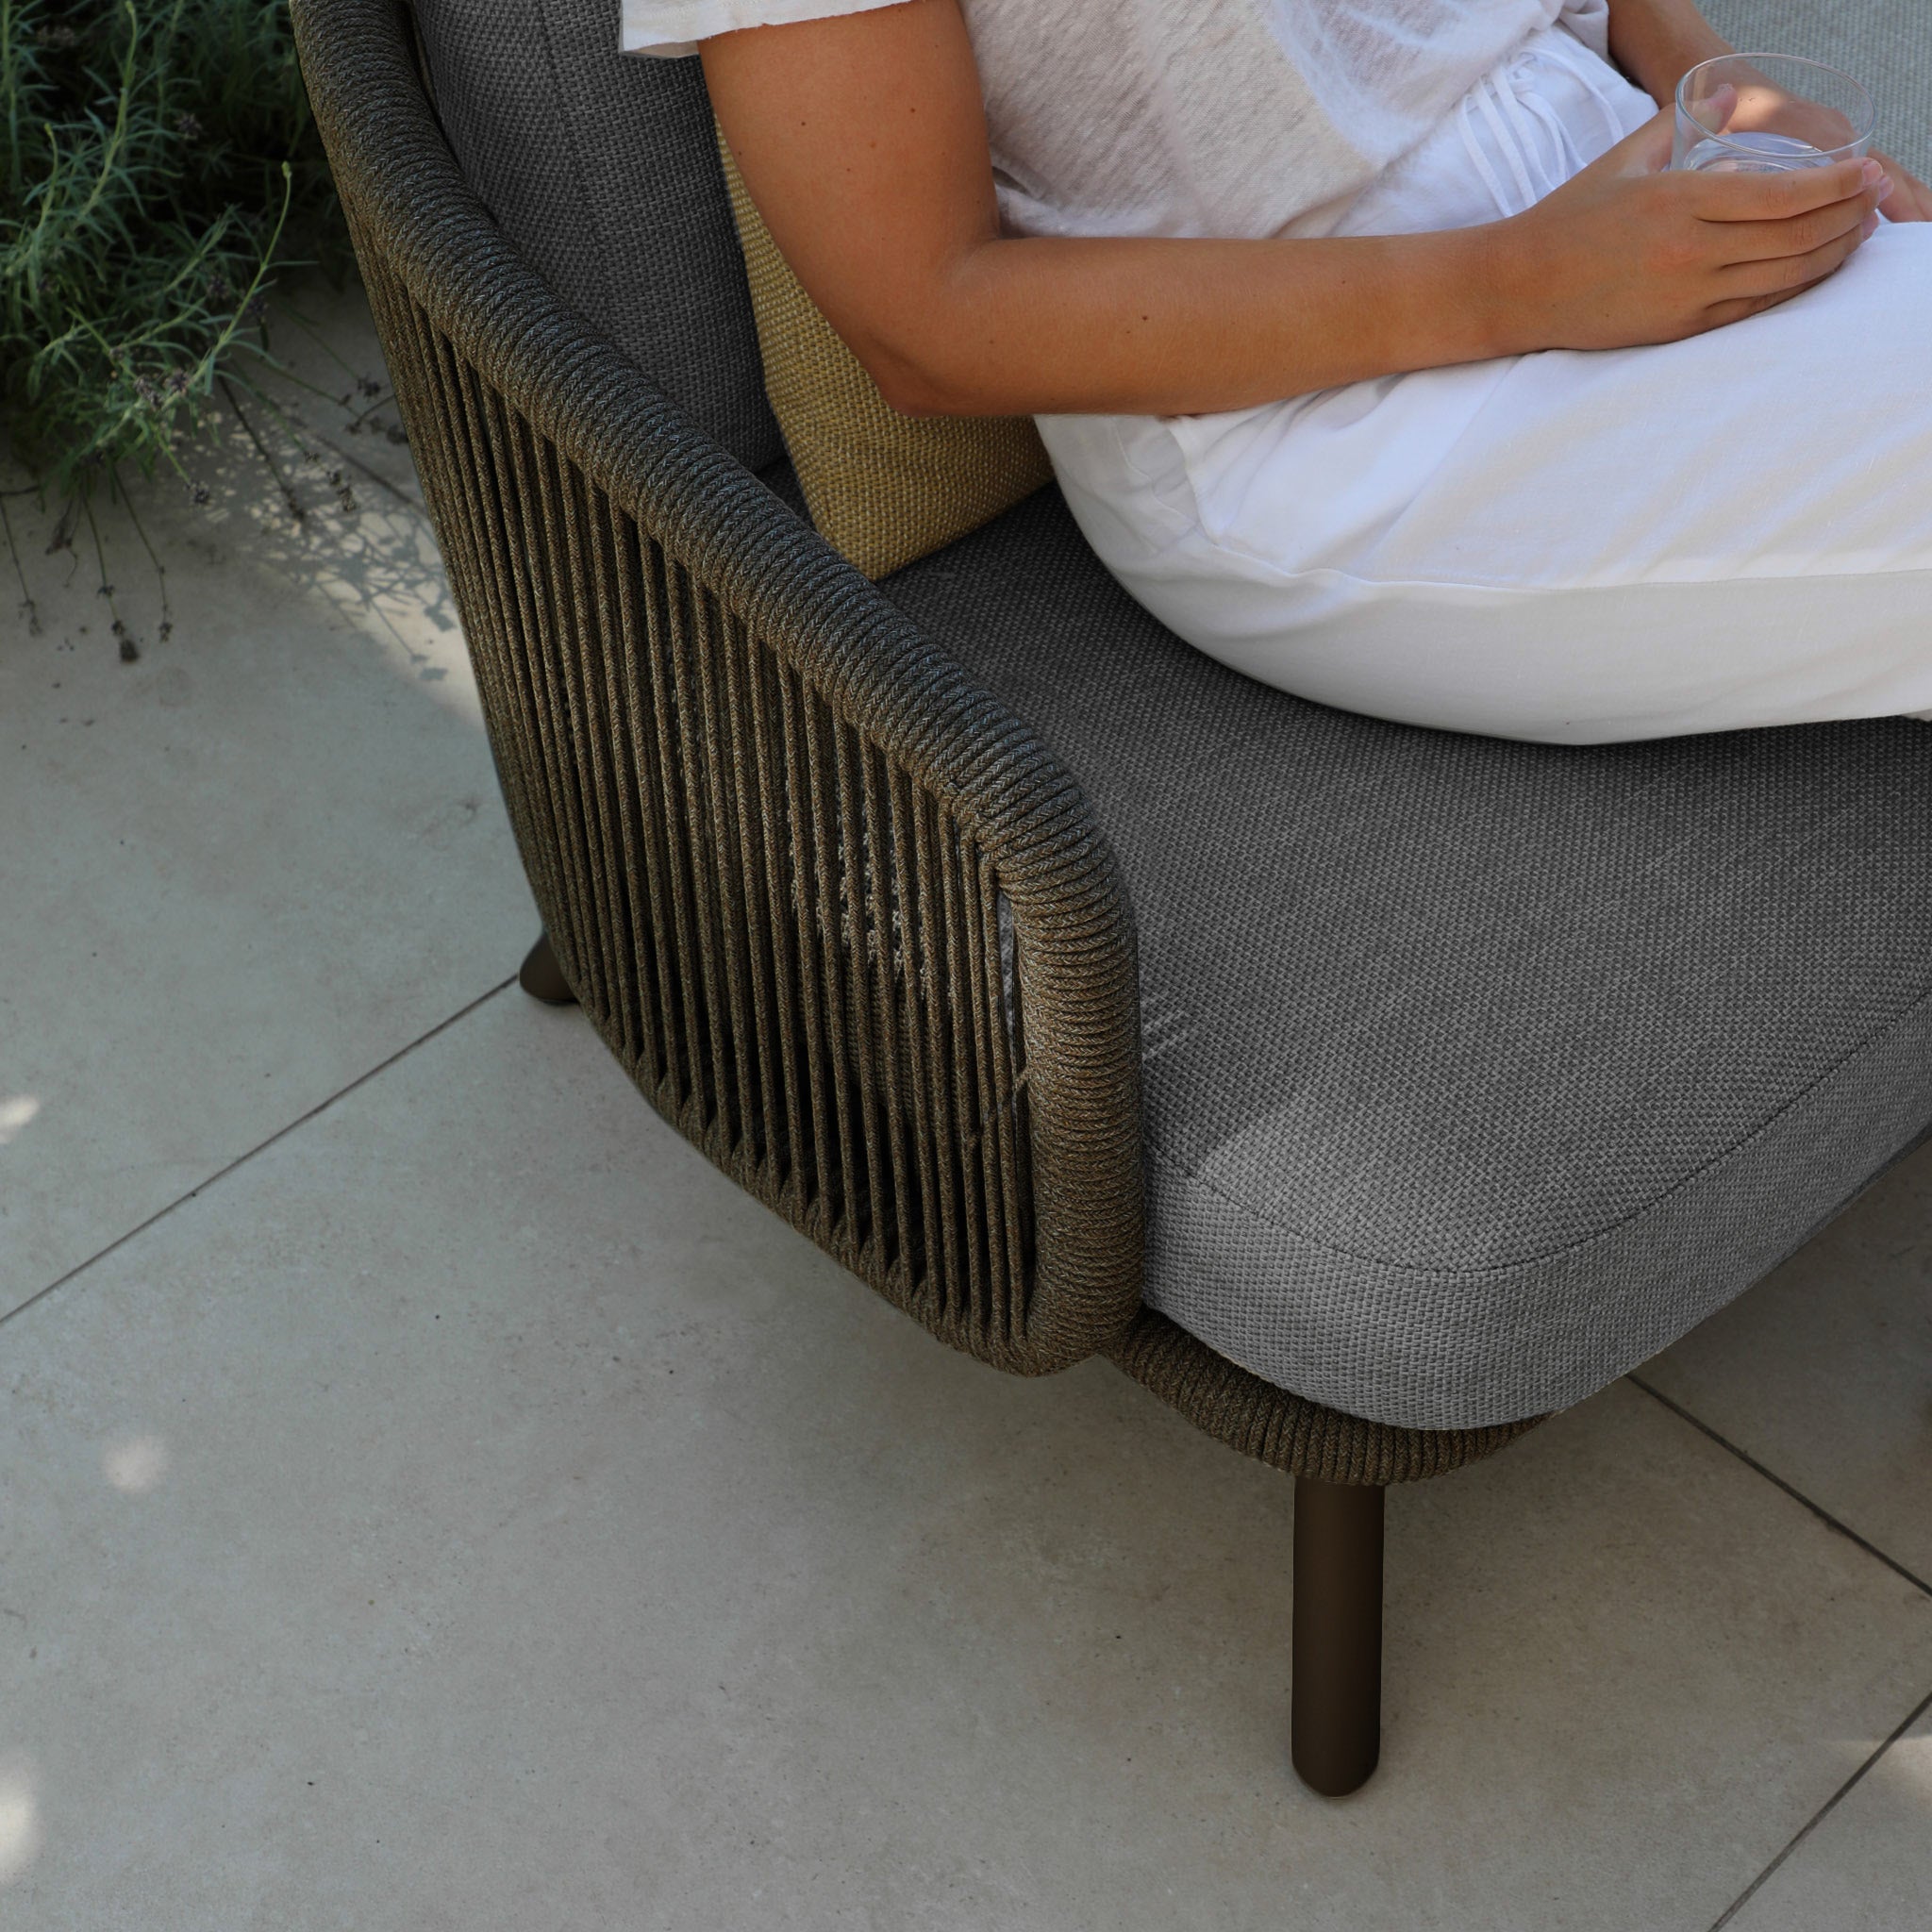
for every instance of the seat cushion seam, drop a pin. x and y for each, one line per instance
(577, 159)
(1503, 1267)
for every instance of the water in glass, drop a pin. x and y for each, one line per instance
(1768, 154)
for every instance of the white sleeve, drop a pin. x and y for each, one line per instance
(670, 28)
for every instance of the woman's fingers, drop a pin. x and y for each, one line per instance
(1783, 196)
(1744, 242)
(1788, 274)
(1911, 200)
(1737, 309)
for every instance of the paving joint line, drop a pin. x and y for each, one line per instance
(222, 1174)
(1823, 1811)
(1796, 1494)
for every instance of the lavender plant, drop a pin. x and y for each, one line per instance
(158, 172)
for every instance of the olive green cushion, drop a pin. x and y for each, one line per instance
(882, 488)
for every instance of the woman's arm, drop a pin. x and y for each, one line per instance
(863, 142)
(1657, 42)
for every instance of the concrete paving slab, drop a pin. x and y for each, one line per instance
(1823, 1372)
(240, 871)
(1868, 1865)
(474, 1510)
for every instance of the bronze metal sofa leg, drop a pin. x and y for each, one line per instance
(543, 978)
(1336, 1715)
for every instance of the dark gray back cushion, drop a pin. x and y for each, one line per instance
(602, 169)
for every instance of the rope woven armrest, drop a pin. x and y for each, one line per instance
(842, 917)
(845, 920)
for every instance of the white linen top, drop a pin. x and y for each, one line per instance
(1234, 118)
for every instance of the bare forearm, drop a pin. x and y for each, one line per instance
(1191, 327)
(1657, 42)
(1158, 328)
(862, 140)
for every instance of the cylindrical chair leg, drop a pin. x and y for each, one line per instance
(1335, 1713)
(543, 978)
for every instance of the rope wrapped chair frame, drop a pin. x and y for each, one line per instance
(845, 920)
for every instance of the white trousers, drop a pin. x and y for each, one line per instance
(1571, 546)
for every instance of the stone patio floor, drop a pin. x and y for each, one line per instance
(430, 1496)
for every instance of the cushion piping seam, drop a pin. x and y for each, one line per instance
(1590, 1240)
(576, 162)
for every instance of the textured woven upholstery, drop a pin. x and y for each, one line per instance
(603, 171)
(1475, 1071)
(882, 488)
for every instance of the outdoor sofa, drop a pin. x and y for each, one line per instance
(1366, 1093)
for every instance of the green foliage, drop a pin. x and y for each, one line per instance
(157, 169)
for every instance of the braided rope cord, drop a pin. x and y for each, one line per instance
(844, 920)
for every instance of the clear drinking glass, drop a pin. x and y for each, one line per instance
(1762, 113)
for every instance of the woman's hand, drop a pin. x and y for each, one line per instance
(1911, 200)
(1627, 252)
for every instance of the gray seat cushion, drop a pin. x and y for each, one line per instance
(603, 171)
(1475, 1072)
